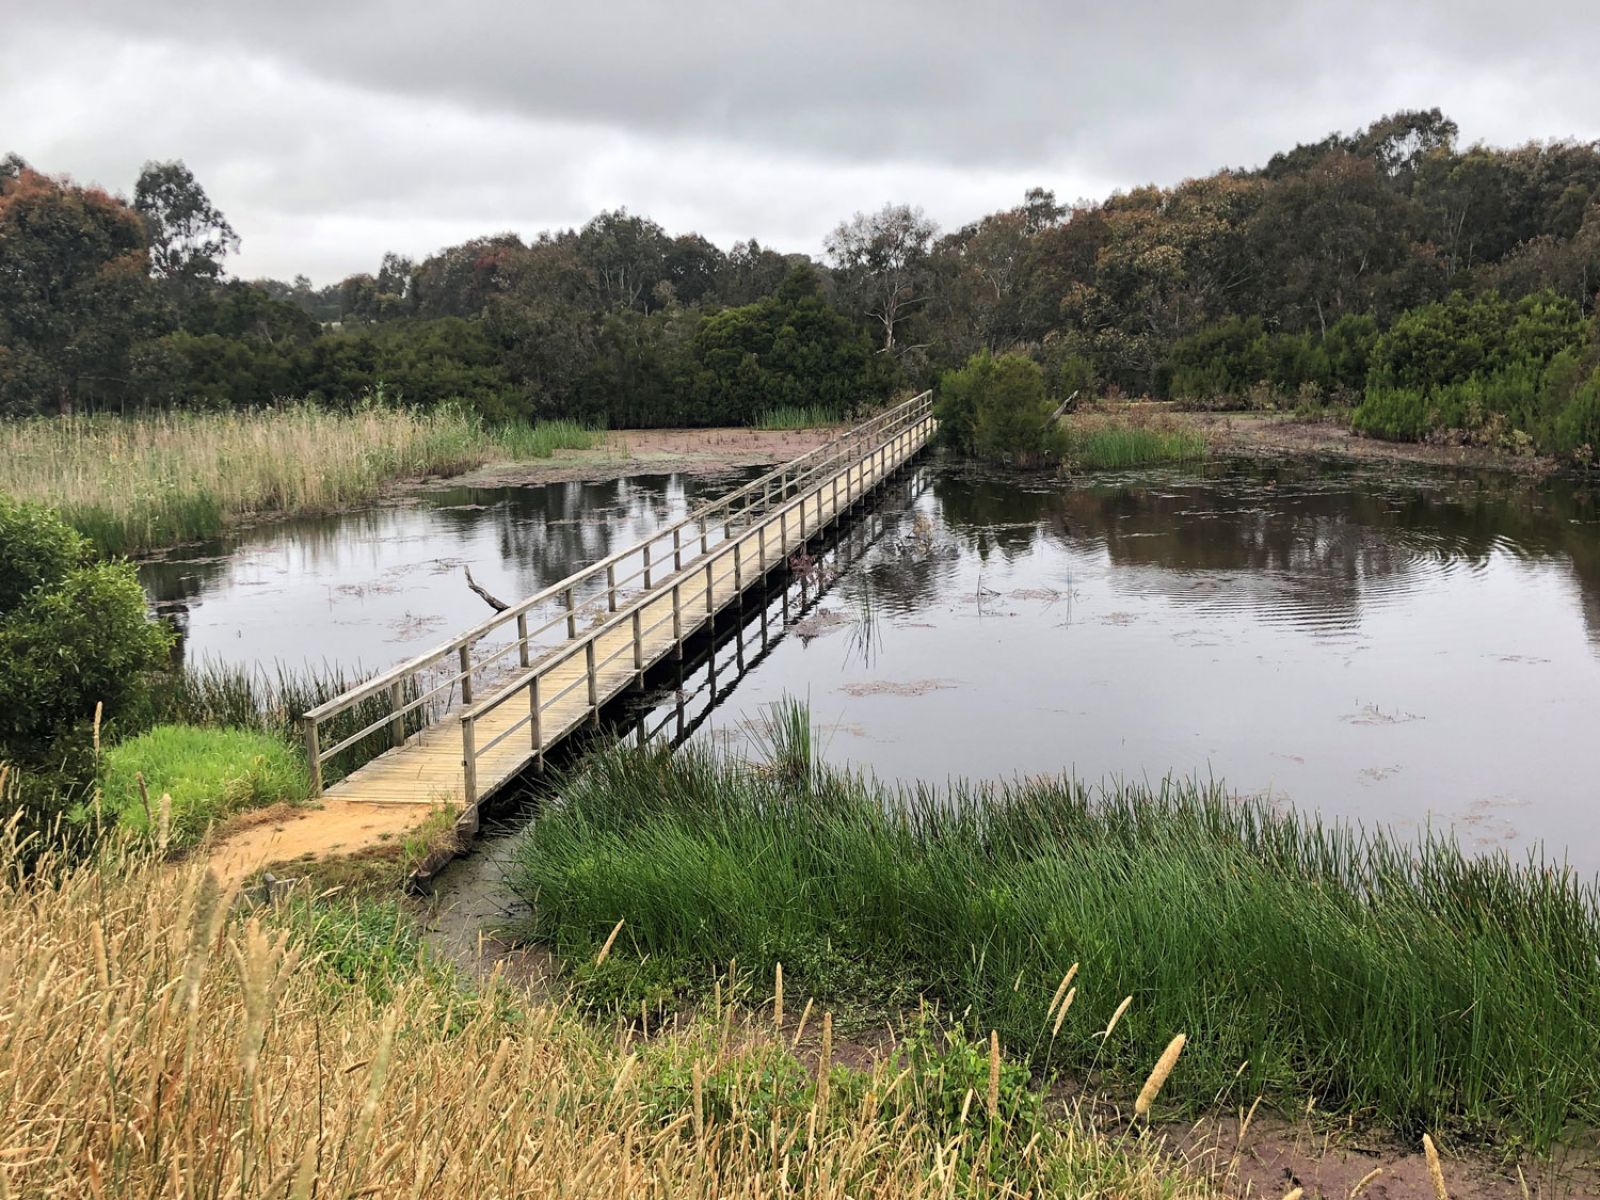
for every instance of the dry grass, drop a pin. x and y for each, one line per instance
(132, 484)
(153, 1043)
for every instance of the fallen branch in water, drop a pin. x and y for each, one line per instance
(492, 601)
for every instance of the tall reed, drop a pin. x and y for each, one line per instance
(1390, 979)
(136, 483)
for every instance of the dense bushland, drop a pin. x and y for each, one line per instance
(1270, 282)
(1406, 983)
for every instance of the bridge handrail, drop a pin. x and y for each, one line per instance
(379, 683)
(559, 654)
(520, 684)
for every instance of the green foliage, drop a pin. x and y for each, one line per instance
(1121, 446)
(1577, 430)
(792, 350)
(1481, 369)
(793, 417)
(77, 636)
(996, 408)
(209, 773)
(1402, 981)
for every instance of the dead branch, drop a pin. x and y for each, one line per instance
(492, 601)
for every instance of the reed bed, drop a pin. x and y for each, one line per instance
(798, 416)
(1390, 981)
(1100, 443)
(137, 483)
(158, 1042)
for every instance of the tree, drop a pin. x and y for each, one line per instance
(75, 294)
(188, 236)
(882, 260)
(628, 256)
(996, 408)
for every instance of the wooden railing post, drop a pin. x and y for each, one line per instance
(465, 657)
(711, 595)
(397, 724)
(522, 639)
(536, 719)
(611, 587)
(638, 646)
(469, 759)
(313, 755)
(677, 618)
(572, 614)
(647, 584)
(677, 548)
(594, 682)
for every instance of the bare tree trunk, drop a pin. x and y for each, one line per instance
(493, 602)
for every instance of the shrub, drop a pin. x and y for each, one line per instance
(1396, 414)
(997, 409)
(209, 773)
(1577, 428)
(73, 633)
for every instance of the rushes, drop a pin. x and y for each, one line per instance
(1342, 964)
(137, 483)
(1119, 444)
(798, 416)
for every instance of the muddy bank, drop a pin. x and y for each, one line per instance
(1268, 435)
(652, 451)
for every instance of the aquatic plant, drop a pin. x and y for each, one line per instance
(1119, 444)
(1393, 980)
(798, 416)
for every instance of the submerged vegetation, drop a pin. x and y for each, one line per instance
(1403, 983)
(132, 484)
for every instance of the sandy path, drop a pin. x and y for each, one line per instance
(330, 830)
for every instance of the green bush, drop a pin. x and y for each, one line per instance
(73, 633)
(1577, 428)
(209, 773)
(997, 409)
(1396, 414)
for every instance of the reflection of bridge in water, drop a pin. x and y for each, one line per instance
(468, 716)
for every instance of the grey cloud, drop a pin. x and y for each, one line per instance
(772, 119)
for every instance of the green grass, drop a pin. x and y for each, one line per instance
(1117, 446)
(545, 438)
(798, 416)
(208, 773)
(1396, 982)
(137, 483)
(222, 695)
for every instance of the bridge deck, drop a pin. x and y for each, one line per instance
(469, 753)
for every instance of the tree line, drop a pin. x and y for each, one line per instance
(1287, 277)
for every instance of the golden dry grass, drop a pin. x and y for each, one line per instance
(155, 1042)
(135, 483)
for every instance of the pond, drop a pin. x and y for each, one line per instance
(1381, 644)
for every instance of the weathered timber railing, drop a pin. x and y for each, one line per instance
(710, 544)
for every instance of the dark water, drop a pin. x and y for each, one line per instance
(1384, 645)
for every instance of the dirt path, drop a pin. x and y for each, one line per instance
(334, 829)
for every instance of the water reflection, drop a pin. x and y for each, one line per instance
(368, 588)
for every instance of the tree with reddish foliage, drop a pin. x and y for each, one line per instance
(76, 294)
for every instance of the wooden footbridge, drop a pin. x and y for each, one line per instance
(468, 716)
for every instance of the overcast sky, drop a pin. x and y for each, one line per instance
(329, 133)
